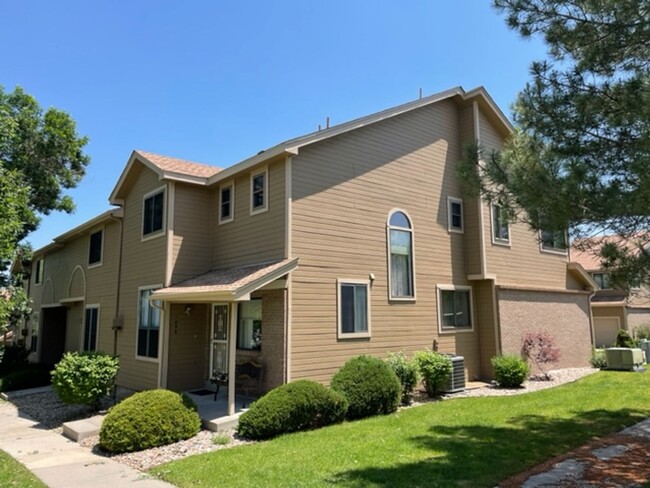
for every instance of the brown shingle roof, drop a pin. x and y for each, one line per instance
(180, 166)
(586, 251)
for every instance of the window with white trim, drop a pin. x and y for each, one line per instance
(91, 324)
(603, 280)
(554, 240)
(226, 203)
(153, 219)
(454, 214)
(39, 267)
(354, 309)
(259, 191)
(95, 248)
(500, 226)
(148, 325)
(249, 325)
(400, 256)
(455, 308)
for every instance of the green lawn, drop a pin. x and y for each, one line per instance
(15, 475)
(470, 442)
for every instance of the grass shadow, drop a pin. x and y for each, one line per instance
(481, 455)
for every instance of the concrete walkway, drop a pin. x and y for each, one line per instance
(59, 462)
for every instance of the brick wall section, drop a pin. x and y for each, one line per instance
(637, 317)
(563, 315)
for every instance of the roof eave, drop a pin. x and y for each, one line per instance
(578, 272)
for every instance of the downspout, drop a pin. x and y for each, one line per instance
(481, 242)
(117, 324)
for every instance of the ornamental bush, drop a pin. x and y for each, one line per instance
(598, 359)
(300, 405)
(540, 349)
(148, 419)
(31, 376)
(510, 370)
(407, 373)
(623, 339)
(369, 385)
(435, 369)
(85, 377)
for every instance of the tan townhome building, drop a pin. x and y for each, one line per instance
(356, 239)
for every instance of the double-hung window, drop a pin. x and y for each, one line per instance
(500, 227)
(153, 219)
(226, 203)
(354, 309)
(554, 240)
(603, 280)
(95, 248)
(454, 214)
(455, 308)
(148, 325)
(249, 326)
(91, 323)
(259, 191)
(400, 256)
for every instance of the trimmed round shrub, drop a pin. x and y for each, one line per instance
(84, 378)
(30, 377)
(623, 339)
(435, 369)
(407, 373)
(299, 405)
(370, 386)
(148, 419)
(598, 359)
(510, 371)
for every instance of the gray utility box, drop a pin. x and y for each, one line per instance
(456, 381)
(644, 345)
(623, 358)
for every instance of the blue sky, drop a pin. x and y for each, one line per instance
(217, 81)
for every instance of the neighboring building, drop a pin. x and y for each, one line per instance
(352, 240)
(613, 307)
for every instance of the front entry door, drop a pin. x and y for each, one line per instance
(219, 351)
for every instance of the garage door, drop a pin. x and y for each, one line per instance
(605, 329)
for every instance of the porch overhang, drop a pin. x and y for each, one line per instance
(226, 285)
(581, 276)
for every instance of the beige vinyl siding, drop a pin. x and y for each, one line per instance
(74, 327)
(533, 267)
(485, 316)
(343, 191)
(193, 211)
(250, 239)
(143, 263)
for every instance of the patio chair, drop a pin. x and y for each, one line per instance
(248, 378)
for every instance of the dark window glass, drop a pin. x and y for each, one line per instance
(226, 197)
(249, 325)
(553, 239)
(148, 326)
(90, 330)
(258, 191)
(455, 309)
(456, 215)
(354, 308)
(153, 213)
(500, 228)
(95, 253)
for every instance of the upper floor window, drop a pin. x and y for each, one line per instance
(554, 240)
(454, 214)
(259, 191)
(455, 307)
(38, 271)
(353, 309)
(603, 280)
(153, 219)
(400, 245)
(226, 203)
(500, 227)
(95, 248)
(148, 325)
(90, 328)
(249, 326)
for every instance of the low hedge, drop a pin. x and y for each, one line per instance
(510, 371)
(148, 419)
(300, 405)
(370, 386)
(30, 377)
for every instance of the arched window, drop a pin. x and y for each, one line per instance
(400, 248)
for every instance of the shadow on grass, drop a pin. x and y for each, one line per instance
(479, 455)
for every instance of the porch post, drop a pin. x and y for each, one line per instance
(232, 352)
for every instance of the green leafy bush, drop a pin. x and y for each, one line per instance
(435, 369)
(14, 357)
(598, 359)
(32, 376)
(642, 332)
(299, 405)
(407, 373)
(370, 386)
(148, 419)
(623, 339)
(510, 370)
(84, 378)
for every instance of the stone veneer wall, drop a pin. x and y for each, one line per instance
(564, 315)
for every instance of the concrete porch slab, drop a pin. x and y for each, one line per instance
(221, 424)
